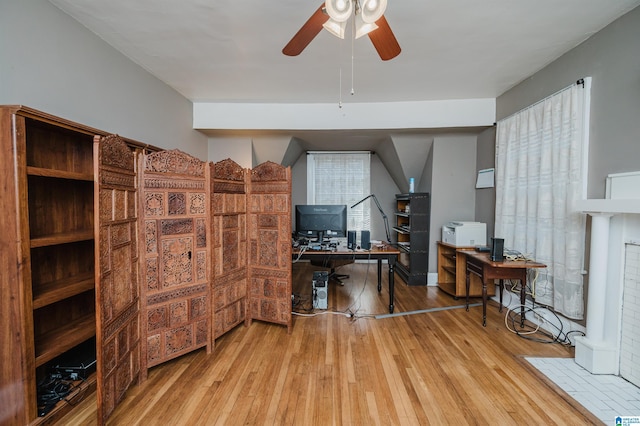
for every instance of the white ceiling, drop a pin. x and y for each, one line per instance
(231, 50)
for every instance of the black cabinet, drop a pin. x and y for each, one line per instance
(412, 219)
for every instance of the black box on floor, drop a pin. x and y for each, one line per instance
(75, 366)
(81, 370)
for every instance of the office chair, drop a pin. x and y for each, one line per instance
(332, 265)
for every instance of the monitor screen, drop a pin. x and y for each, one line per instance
(313, 219)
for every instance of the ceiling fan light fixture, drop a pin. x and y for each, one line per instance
(336, 28)
(339, 10)
(379, 32)
(372, 10)
(363, 28)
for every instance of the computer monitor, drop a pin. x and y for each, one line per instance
(313, 220)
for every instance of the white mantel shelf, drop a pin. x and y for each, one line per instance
(616, 206)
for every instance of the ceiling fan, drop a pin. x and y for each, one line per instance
(332, 15)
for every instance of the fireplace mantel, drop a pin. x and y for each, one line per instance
(617, 206)
(598, 351)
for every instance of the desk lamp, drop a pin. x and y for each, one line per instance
(384, 216)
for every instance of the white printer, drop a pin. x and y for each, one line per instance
(465, 233)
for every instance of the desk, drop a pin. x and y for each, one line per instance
(481, 265)
(378, 253)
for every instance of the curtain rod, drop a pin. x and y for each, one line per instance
(579, 82)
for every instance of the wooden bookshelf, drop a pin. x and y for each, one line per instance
(452, 272)
(64, 337)
(411, 226)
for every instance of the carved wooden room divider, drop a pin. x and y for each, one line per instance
(215, 251)
(176, 295)
(270, 244)
(117, 291)
(229, 227)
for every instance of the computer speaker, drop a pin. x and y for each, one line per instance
(497, 249)
(351, 240)
(365, 240)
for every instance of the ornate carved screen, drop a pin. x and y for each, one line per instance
(117, 293)
(270, 244)
(176, 292)
(229, 227)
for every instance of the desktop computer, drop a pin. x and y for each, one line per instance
(320, 289)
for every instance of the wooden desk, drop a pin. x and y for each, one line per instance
(385, 252)
(481, 265)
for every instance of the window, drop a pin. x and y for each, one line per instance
(541, 162)
(341, 178)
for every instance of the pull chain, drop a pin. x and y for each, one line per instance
(340, 89)
(353, 39)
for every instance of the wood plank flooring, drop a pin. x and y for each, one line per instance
(433, 368)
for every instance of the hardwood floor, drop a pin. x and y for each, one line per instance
(436, 367)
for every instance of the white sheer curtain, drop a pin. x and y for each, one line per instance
(341, 177)
(541, 165)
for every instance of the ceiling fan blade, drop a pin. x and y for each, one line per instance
(309, 30)
(384, 41)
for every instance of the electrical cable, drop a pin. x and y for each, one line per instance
(298, 302)
(364, 285)
(328, 312)
(515, 255)
(529, 332)
(300, 253)
(54, 388)
(349, 311)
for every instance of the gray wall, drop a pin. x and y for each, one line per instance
(452, 186)
(48, 61)
(612, 58)
(486, 197)
(426, 180)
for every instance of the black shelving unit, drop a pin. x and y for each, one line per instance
(412, 220)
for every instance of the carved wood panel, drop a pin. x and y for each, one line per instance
(270, 244)
(229, 227)
(176, 295)
(117, 291)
